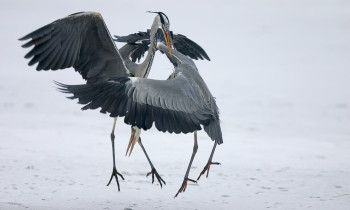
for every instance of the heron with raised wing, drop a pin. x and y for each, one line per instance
(82, 41)
(181, 104)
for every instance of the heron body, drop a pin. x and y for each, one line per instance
(180, 104)
(82, 41)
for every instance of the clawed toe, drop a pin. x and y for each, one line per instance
(184, 185)
(160, 180)
(207, 168)
(115, 174)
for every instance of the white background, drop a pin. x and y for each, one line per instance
(280, 71)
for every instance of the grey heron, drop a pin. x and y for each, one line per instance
(181, 104)
(136, 46)
(139, 44)
(82, 41)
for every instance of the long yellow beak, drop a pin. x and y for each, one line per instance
(168, 40)
(135, 134)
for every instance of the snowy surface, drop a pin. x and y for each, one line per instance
(280, 71)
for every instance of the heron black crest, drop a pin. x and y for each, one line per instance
(161, 16)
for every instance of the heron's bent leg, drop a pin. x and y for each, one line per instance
(115, 173)
(153, 171)
(184, 183)
(207, 167)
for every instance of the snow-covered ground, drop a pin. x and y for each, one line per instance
(280, 71)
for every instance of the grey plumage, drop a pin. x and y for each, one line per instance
(181, 104)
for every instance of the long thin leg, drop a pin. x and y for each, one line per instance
(153, 171)
(207, 167)
(115, 173)
(184, 183)
(135, 137)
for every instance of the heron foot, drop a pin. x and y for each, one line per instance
(160, 180)
(184, 185)
(207, 168)
(115, 174)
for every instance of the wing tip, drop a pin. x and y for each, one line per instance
(63, 88)
(23, 38)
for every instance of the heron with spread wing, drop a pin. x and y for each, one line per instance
(82, 41)
(181, 104)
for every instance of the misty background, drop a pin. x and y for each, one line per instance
(280, 72)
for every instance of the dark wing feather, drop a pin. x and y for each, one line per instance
(140, 42)
(139, 51)
(81, 41)
(134, 38)
(171, 104)
(188, 47)
(183, 44)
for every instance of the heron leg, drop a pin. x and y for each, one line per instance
(186, 179)
(207, 167)
(115, 173)
(153, 171)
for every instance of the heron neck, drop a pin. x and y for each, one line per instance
(145, 66)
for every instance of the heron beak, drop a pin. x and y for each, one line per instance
(135, 134)
(168, 40)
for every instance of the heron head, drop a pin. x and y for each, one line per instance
(165, 25)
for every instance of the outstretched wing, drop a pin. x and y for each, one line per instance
(171, 104)
(188, 47)
(80, 40)
(183, 44)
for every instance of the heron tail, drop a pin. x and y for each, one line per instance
(214, 131)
